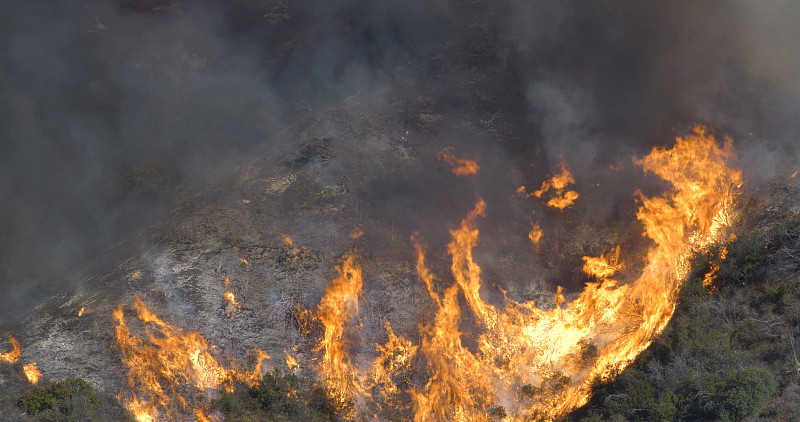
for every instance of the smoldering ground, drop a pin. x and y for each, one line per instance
(113, 109)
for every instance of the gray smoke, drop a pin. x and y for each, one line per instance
(113, 108)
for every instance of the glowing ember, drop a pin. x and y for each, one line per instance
(562, 197)
(13, 355)
(169, 365)
(293, 250)
(535, 235)
(32, 373)
(459, 166)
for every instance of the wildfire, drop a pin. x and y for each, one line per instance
(562, 197)
(32, 373)
(168, 365)
(13, 355)
(459, 166)
(339, 305)
(81, 311)
(540, 363)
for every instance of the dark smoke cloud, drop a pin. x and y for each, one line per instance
(96, 92)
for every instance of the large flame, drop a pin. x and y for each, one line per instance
(537, 363)
(167, 365)
(338, 307)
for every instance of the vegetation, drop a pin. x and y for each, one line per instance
(70, 400)
(730, 351)
(283, 397)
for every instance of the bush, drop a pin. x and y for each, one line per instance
(70, 400)
(282, 397)
(746, 391)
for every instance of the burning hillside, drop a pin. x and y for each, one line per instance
(398, 211)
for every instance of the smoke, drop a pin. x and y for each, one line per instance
(113, 109)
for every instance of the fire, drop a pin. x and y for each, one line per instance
(459, 166)
(535, 235)
(293, 250)
(339, 305)
(604, 266)
(537, 363)
(562, 197)
(32, 373)
(229, 296)
(13, 355)
(291, 361)
(168, 365)
(80, 312)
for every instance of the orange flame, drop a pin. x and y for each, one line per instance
(168, 364)
(13, 355)
(80, 312)
(562, 197)
(293, 250)
(229, 296)
(459, 166)
(291, 362)
(32, 373)
(338, 306)
(535, 235)
(556, 353)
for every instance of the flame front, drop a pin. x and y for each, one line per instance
(540, 364)
(167, 365)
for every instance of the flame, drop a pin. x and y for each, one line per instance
(562, 197)
(535, 235)
(338, 306)
(167, 365)
(80, 313)
(229, 296)
(291, 361)
(539, 364)
(603, 266)
(288, 241)
(13, 355)
(293, 250)
(32, 373)
(459, 166)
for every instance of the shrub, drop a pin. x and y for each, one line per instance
(70, 400)
(746, 391)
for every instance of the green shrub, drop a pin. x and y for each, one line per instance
(68, 401)
(746, 391)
